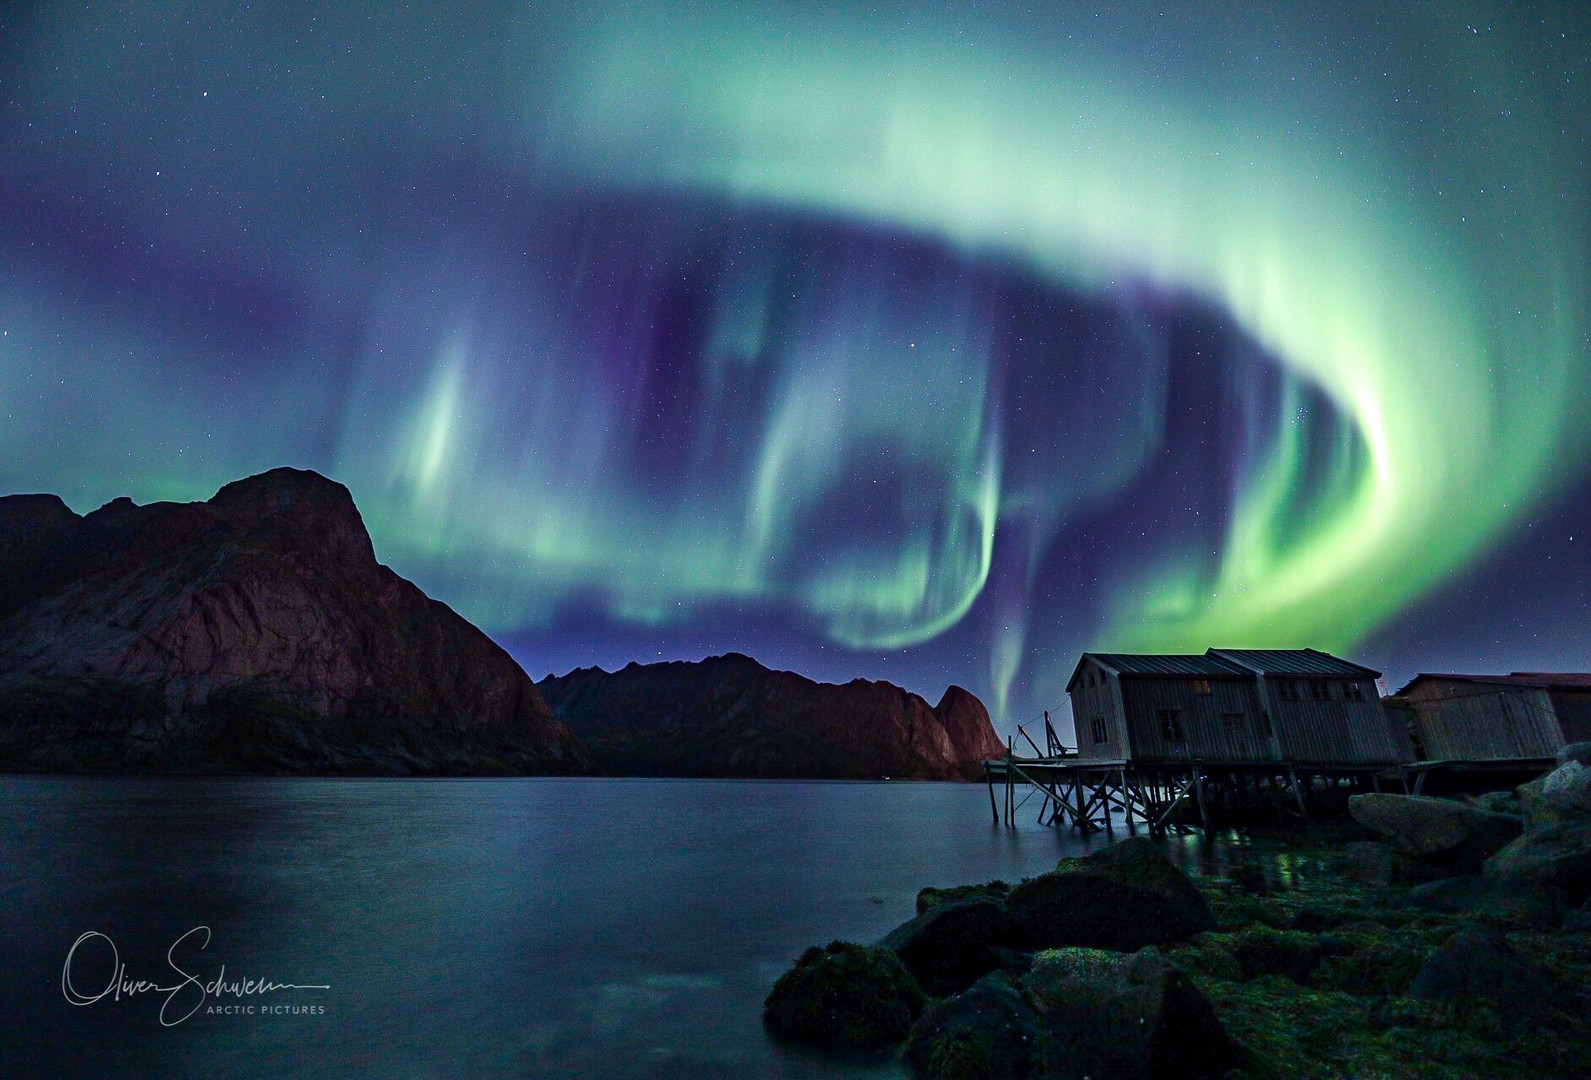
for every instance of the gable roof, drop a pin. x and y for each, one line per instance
(1304, 662)
(1538, 680)
(1192, 665)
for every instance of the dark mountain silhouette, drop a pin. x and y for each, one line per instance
(252, 633)
(730, 716)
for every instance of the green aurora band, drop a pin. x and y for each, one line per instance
(1411, 244)
(1453, 349)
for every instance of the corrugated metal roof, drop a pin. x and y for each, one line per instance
(1294, 662)
(1197, 664)
(1545, 680)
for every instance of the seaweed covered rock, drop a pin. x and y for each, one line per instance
(1125, 897)
(1125, 1016)
(931, 897)
(845, 997)
(1289, 953)
(1555, 855)
(1480, 966)
(1367, 959)
(1566, 792)
(990, 1032)
(952, 945)
(1457, 833)
(1505, 902)
(1563, 795)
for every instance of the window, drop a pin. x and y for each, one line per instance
(1286, 689)
(1171, 725)
(1232, 722)
(1352, 691)
(1320, 690)
(1100, 734)
(1201, 687)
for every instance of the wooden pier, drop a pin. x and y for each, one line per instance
(1092, 795)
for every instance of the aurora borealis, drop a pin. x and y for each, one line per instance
(925, 343)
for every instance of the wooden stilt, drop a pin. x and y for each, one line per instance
(1298, 792)
(1010, 791)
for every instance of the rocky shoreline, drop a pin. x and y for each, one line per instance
(1423, 937)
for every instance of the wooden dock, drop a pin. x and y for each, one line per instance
(1092, 795)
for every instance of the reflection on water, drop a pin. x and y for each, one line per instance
(1260, 866)
(525, 928)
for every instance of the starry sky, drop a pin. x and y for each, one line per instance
(934, 343)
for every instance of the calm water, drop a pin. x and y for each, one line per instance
(524, 928)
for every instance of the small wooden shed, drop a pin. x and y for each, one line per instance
(1232, 706)
(1496, 717)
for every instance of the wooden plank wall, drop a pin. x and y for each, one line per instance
(1207, 736)
(1336, 731)
(1097, 700)
(1468, 720)
(1573, 708)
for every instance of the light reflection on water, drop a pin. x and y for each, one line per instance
(526, 928)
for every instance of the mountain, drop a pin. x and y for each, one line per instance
(252, 633)
(730, 716)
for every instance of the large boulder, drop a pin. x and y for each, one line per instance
(991, 1032)
(930, 897)
(1480, 966)
(1561, 795)
(1497, 802)
(1566, 794)
(1506, 902)
(1580, 751)
(1554, 855)
(1125, 1016)
(845, 997)
(1459, 834)
(1123, 898)
(952, 945)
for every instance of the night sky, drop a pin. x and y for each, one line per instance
(934, 344)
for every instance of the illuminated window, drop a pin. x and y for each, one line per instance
(1201, 686)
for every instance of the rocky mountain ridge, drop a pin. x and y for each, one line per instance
(731, 716)
(254, 632)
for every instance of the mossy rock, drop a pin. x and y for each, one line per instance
(1127, 1016)
(1290, 953)
(953, 944)
(1368, 960)
(845, 997)
(1234, 910)
(959, 1054)
(930, 898)
(990, 1032)
(1124, 898)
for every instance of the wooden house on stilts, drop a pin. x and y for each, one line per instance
(1219, 725)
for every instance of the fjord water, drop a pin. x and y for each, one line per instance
(498, 928)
